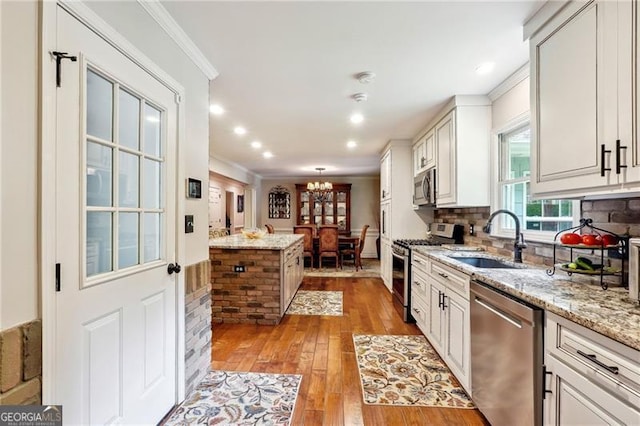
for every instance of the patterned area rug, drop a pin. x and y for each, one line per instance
(231, 398)
(307, 302)
(370, 269)
(406, 370)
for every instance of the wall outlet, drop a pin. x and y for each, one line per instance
(238, 268)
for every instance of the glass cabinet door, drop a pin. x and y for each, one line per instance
(332, 209)
(341, 210)
(305, 213)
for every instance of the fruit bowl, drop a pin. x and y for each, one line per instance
(253, 234)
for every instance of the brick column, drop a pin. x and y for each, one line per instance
(197, 323)
(252, 296)
(21, 364)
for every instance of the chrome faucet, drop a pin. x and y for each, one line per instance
(519, 243)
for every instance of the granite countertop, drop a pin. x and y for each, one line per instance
(609, 312)
(267, 242)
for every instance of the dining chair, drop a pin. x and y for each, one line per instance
(328, 244)
(307, 231)
(270, 229)
(355, 252)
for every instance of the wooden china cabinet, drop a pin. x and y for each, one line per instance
(332, 209)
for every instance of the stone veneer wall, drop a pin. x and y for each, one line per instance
(21, 364)
(251, 297)
(617, 215)
(197, 323)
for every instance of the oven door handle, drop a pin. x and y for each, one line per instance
(399, 256)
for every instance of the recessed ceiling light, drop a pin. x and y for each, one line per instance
(485, 68)
(356, 118)
(216, 109)
(351, 144)
(239, 130)
(256, 144)
(267, 154)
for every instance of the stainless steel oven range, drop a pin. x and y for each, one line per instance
(441, 233)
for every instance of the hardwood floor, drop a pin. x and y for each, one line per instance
(321, 349)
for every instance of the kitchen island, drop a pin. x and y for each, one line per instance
(254, 280)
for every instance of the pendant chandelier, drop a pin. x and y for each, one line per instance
(319, 189)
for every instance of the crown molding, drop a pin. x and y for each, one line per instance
(510, 82)
(175, 31)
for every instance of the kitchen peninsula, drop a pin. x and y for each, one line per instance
(254, 280)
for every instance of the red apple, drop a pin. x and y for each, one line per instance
(570, 238)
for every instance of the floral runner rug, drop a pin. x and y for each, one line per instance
(405, 370)
(307, 302)
(232, 398)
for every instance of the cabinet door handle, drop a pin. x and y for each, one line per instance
(619, 148)
(443, 301)
(440, 303)
(443, 275)
(416, 310)
(603, 155)
(545, 373)
(418, 283)
(595, 360)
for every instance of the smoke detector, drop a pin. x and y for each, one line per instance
(365, 77)
(359, 97)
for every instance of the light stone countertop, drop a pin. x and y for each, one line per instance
(609, 312)
(267, 242)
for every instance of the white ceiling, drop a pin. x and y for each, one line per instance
(287, 73)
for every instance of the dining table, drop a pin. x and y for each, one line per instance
(343, 241)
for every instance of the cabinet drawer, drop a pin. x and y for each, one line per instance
(456, 281)
(611, 364)
(420, 262)
(420, 312)
(419, 284)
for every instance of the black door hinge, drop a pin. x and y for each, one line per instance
(57, 277)
(59, 57)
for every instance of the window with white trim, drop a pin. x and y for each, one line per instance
(539, 219)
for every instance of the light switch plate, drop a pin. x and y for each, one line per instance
(188, 224)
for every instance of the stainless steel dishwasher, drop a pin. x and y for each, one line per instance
(506, 357)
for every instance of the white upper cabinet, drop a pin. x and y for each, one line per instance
(385, 176)
(462, 140)
(424, 153)
(582, 101)
(396, 181)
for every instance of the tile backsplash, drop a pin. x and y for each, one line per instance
(618, 215)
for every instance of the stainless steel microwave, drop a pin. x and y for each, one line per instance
(424, 188)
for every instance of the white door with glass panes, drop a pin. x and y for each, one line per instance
(115, 322)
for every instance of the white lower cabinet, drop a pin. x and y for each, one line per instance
(420, 291)
(292, 274)
(448, 323)
(590, 379)
(386, 263)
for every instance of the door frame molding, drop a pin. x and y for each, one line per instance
(47, 179)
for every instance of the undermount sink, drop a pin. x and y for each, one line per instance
(484, 262)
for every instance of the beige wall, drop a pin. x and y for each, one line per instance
(237, 188)
(19, 163)
(365, 205)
